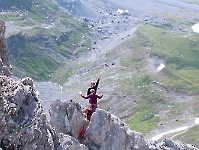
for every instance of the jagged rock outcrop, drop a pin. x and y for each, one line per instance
(5, 67)
(23, 125)
(70, 143)
(106, 131)
(103, 132)
(22, 122)
(67, 117)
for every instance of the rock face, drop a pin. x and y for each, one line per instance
(106, 131)
(103, 132)
(67, 117)
(21, 116)
(171, 145)
(70, 143)
(5, 67)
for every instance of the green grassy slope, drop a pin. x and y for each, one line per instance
(181, 55)
(149, 98)
(49, 38)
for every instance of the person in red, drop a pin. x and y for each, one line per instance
(93, 98)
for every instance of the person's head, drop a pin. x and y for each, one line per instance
(92, 83)
(92, 90)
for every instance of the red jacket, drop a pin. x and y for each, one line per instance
(93, 98)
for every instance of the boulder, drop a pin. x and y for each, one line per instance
(70, 143)
(67, 117)
(106, 131)
(22, 122)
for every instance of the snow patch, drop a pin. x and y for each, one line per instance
(195, 28)
(120, 11)
(160, 67)
(197, 121)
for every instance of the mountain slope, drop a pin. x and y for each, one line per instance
(135, 90)
(149, 99)
(46, 38)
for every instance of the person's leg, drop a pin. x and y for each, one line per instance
(94, 107)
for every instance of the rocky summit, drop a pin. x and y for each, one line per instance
(24, 125)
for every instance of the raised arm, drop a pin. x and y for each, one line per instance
(97, 83)
(81, 94)
(86, 97)
(88, 91)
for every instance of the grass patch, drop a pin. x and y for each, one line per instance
(180, 53)
(191, 136)
(43, 11)
(195, 105)
(143, 122)
(18, 18)
(174, 20)
(62, 74)
(144, 119)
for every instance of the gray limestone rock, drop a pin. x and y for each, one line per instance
(22, 122)
(70, 143)
(168, 144)
(5, 67)
(23, 125)
(67, 117)
(106, 131)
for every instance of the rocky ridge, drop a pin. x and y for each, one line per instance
(5, 66)
(24, 125)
